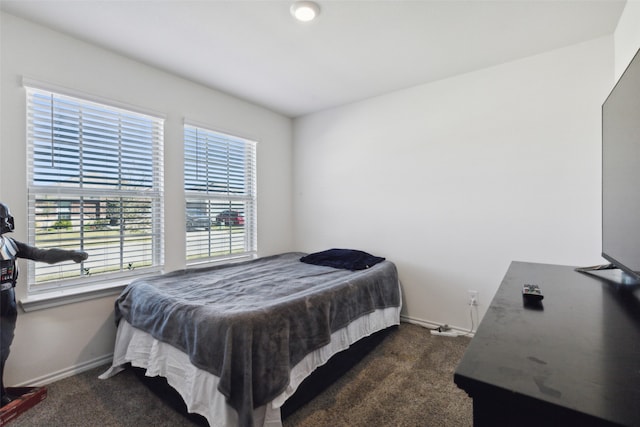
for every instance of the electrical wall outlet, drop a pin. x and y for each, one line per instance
(473, 298)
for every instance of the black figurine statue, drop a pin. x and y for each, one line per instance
(10, 250)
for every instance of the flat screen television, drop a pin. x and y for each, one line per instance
(621, 175)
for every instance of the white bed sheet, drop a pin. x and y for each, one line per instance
(199, 388)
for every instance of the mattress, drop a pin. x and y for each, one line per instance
(249, 324)
(199, 388)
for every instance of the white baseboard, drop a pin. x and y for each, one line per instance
(67, 372)
(103, 360)
(433, 325)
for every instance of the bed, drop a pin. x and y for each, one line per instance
(236, 341)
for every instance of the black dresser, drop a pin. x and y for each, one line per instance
(574, 360)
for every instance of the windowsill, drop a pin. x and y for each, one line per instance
(55, 298)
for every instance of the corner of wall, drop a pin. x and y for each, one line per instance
(627, 37)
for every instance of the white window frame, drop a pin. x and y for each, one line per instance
(204, 150)
(148, 193)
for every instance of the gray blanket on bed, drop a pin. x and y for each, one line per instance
(250, 323)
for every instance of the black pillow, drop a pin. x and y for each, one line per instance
(349, 259)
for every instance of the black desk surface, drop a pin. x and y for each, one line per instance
(580, 351)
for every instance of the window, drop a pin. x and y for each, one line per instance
(220, 191)
(94, 184)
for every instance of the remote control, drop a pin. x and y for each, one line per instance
(532, 293)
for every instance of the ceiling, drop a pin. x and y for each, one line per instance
(355, 50)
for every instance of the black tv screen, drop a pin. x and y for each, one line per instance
(621, 173)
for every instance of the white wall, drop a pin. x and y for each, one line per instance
(54, 341)
(455, 179)
(627, 36)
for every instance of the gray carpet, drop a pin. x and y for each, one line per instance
(407, 380)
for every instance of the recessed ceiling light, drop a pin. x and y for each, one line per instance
(305, 11)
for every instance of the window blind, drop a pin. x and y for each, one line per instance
(220, 190)
(95, 184)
